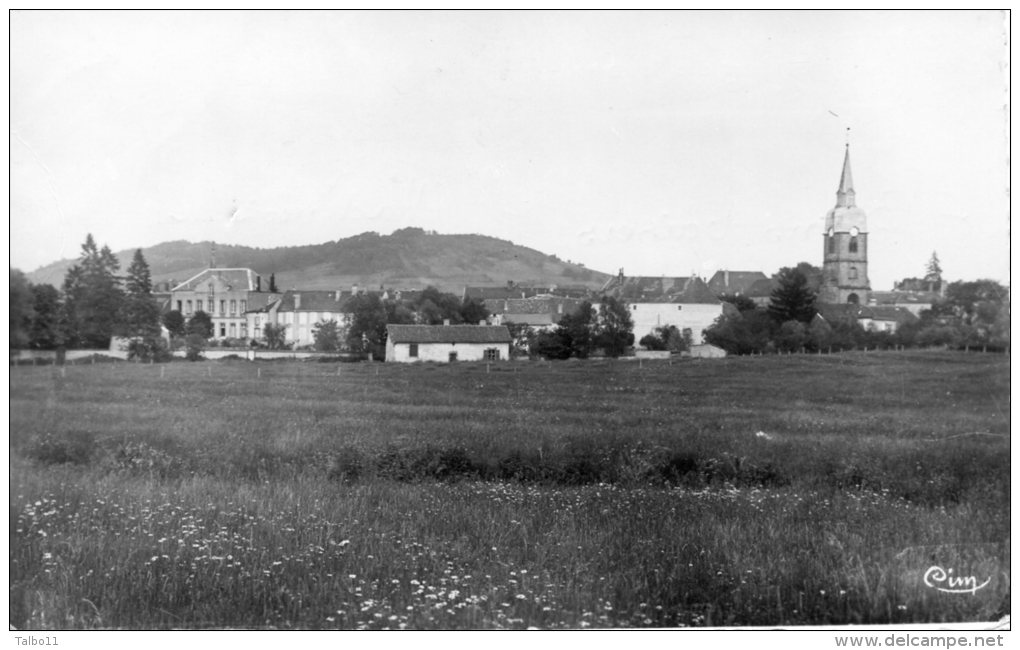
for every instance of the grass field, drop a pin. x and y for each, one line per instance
(793, 490)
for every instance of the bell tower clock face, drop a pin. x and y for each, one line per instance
(854, 231)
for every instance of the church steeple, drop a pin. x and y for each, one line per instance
(845, 194)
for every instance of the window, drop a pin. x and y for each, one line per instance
(233, 307)
(223, 330)
(188, 305)
(492, 354)
(679, 307)
(633, 307)
(453, 357)
(198, 305)
(244, 306)
(832, 243)
(233, 330)
(179, 307)
(853, 272)
(223, 308)
(853, 244)
(412, 350)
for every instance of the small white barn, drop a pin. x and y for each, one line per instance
(447, 343)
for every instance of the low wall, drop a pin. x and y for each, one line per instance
(651, 354)
(69, 355)
(252, 355)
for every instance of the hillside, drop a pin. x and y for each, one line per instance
(408, 258)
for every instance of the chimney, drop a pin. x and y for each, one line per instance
(337, 299)
(258, 283)
(297, 301)
(446, 321)
(726, 278)
(354, 290)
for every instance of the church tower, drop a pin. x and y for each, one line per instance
(845, 252)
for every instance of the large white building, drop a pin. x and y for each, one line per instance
(225, 295)
(684, 302)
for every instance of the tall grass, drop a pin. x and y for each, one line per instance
(549, 495)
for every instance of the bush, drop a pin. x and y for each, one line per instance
(346, 466)
(149, 349)
(77, 448)
(195, 346)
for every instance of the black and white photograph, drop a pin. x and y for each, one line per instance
(694, 324)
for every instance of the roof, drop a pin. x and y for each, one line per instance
(538, 305)
(316, 300)
(735, 282)
(905, 297)
(503, 292)
(835, 312)
(235, 279)
(448, 333)
(846, 214)
(648, 289)
(262, 301)
(845, 192)
(762, 288)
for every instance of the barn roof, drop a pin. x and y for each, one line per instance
(448, 333)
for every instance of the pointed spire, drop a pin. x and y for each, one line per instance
(845, 193)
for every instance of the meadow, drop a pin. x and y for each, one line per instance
(755, 491)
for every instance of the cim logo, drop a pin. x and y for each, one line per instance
(943, 580)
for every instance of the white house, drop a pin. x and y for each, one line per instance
(299, 312)
(447, 343)
(685, 302)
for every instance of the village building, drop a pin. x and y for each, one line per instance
(299, 312)
(447, 343)
(659, 301)
(539, 313)
(873, 318)
(913, 301)
(225, 294)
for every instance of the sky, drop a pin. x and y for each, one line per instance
(662, 143)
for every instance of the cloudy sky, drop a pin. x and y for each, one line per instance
(663, 143)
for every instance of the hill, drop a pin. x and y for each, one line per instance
(408, 258)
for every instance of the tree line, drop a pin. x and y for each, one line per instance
(93, 305)
(972, 314)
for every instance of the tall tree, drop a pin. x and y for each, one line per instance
(614, 328)
(139, 312)
(92, 297)
(21, 311)
(793, 299)
(45, 333)
(933, 270)
(577, 330)
(367, 332)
